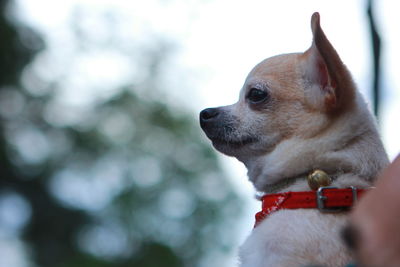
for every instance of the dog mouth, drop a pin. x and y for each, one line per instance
(226, 137)
(234, 143)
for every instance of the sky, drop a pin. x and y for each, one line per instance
(217, 43)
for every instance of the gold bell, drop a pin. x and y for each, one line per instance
(317, 179)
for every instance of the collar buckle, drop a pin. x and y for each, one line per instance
(321, 198)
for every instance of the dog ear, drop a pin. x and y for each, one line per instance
(325, 71)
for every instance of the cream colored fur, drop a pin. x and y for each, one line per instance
(312, 118)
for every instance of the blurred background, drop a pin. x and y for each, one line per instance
(102, 161)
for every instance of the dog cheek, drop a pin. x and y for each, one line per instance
(252, 125)
(276, 125)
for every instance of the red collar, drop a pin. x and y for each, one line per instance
(326, 199)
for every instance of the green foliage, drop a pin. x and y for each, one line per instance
(17, 46)
(128, 182)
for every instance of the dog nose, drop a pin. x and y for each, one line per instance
(208, 114)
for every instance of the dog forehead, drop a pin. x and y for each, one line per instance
(281, 74)
(275, 65)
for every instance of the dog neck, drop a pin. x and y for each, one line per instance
(284, 184)
(296, 183)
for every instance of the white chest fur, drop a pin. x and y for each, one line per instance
(296, 238)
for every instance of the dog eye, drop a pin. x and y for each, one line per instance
(257, 96)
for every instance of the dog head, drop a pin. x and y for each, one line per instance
(291, 96)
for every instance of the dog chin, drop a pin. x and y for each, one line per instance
(233, 147)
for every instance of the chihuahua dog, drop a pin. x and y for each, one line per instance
(297, 113)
